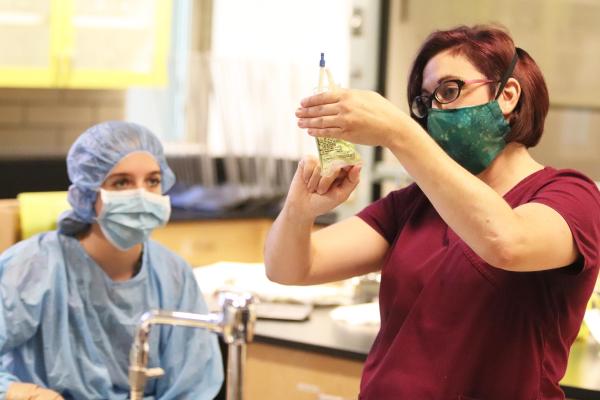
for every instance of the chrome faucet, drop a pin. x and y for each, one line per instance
(235, 323)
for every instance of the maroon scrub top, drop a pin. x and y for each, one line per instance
(453, 326)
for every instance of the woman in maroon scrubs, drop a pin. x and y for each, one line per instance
(487, 260)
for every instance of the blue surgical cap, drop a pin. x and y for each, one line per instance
(93, 155)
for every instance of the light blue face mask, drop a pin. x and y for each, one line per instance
(129, 216)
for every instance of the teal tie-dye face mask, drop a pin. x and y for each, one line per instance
(472, 136)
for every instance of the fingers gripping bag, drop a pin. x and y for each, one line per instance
(333, 153)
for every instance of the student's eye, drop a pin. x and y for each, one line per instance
(154, 181)
(121, 183)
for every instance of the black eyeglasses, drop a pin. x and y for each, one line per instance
(448, 91)
(445, 93)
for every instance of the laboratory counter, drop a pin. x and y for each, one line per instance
(344, 349)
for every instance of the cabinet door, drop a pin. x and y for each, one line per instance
(115, 43)
(277, 372)
(29, 33)
(209, 241)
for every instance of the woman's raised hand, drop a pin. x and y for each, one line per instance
(312, 194)
(358, 116)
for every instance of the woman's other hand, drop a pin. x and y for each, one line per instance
(29, 391)
(295, 255)
(358, 116)
(312, 194)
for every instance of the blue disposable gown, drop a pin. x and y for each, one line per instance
(65, 325)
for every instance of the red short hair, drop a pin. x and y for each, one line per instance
(490, 49)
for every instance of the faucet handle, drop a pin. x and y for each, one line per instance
(154, 372)
(238, 317)
(236, 299)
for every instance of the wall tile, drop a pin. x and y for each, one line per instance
(20, 142)
(11, 115)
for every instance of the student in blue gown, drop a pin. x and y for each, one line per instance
(70, 299)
